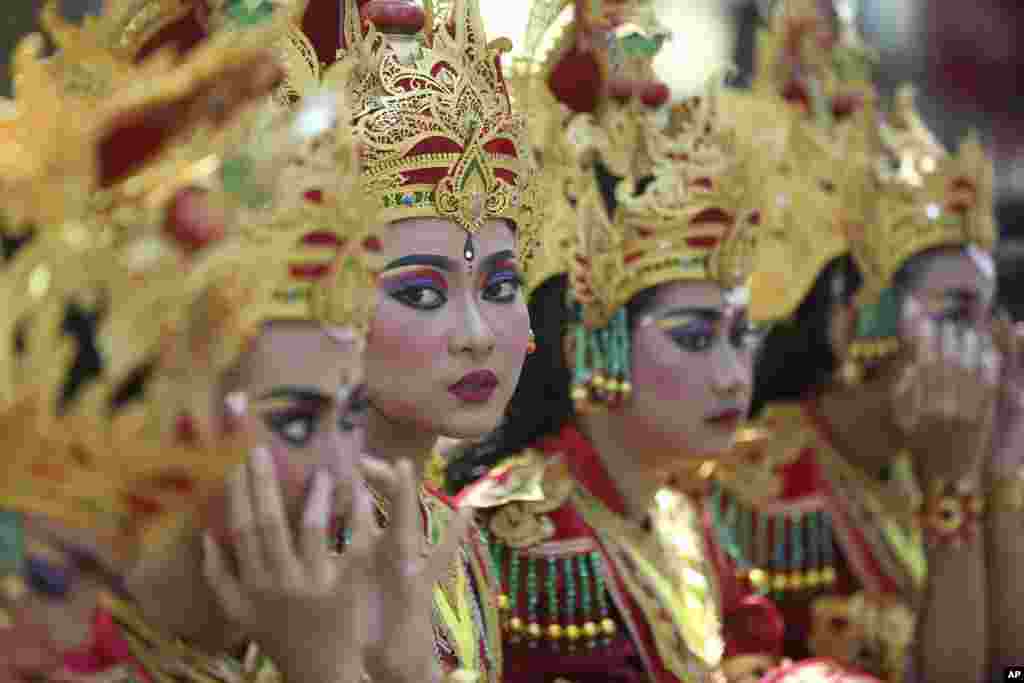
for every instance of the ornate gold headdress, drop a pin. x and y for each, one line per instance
(918, 196)
(177, 297)
(811, 80)
(802, 205)
(437, 131)
(908, 195)
(690, 219)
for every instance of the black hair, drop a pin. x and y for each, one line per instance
(541, 404)
(796, 357)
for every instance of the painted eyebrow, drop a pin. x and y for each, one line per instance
(963, 296)
(712, 313)
(432, 260)
(494, 259)
(295, 393)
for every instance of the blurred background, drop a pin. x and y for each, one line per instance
(966, 59)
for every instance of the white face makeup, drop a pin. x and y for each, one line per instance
(692, 361)
(307, 402)
(955, 287)
(450, 335)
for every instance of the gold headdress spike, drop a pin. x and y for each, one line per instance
(690, 217)
(913, 197)
(438, 134)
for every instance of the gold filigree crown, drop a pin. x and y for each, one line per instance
(915, 196)
(692, 218)
(177, 296)
(812, 81)
(438, 134)
(802, 200)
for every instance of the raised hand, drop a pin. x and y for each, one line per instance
(1008, 455)
(305, 606)
(946, 398)
(406, 571)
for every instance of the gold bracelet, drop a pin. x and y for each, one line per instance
(1008, 492)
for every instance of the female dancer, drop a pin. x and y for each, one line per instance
(325, 409)
(451, 330)
(824, 518)
(642, 370)
(72, 518)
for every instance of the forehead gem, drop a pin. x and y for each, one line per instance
(933, 211)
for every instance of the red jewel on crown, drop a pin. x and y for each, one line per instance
(394, 16)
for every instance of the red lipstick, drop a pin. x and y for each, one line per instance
(476, 387)
(727, 419)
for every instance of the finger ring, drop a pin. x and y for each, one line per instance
(381, 507)
(342, 539)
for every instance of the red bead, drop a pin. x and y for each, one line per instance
(185, 429)
(372, 244)
(394, 16)
(143, 506)
(191, 221)
(712, 215)
(844, 105)
(654, 94)
(794, 91)
(322, 238)
(703, 182)
(314, 196)
(179, 483)
(633, 256)
(701, 242)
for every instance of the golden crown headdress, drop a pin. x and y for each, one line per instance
(812, 80)
(802, 203)
(178, 298)
(550, 90)
(62, 468)
(690, 219)
(437, 131)
(907, 195)
(917, 196)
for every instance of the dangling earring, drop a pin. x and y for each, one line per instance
(531, 345)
